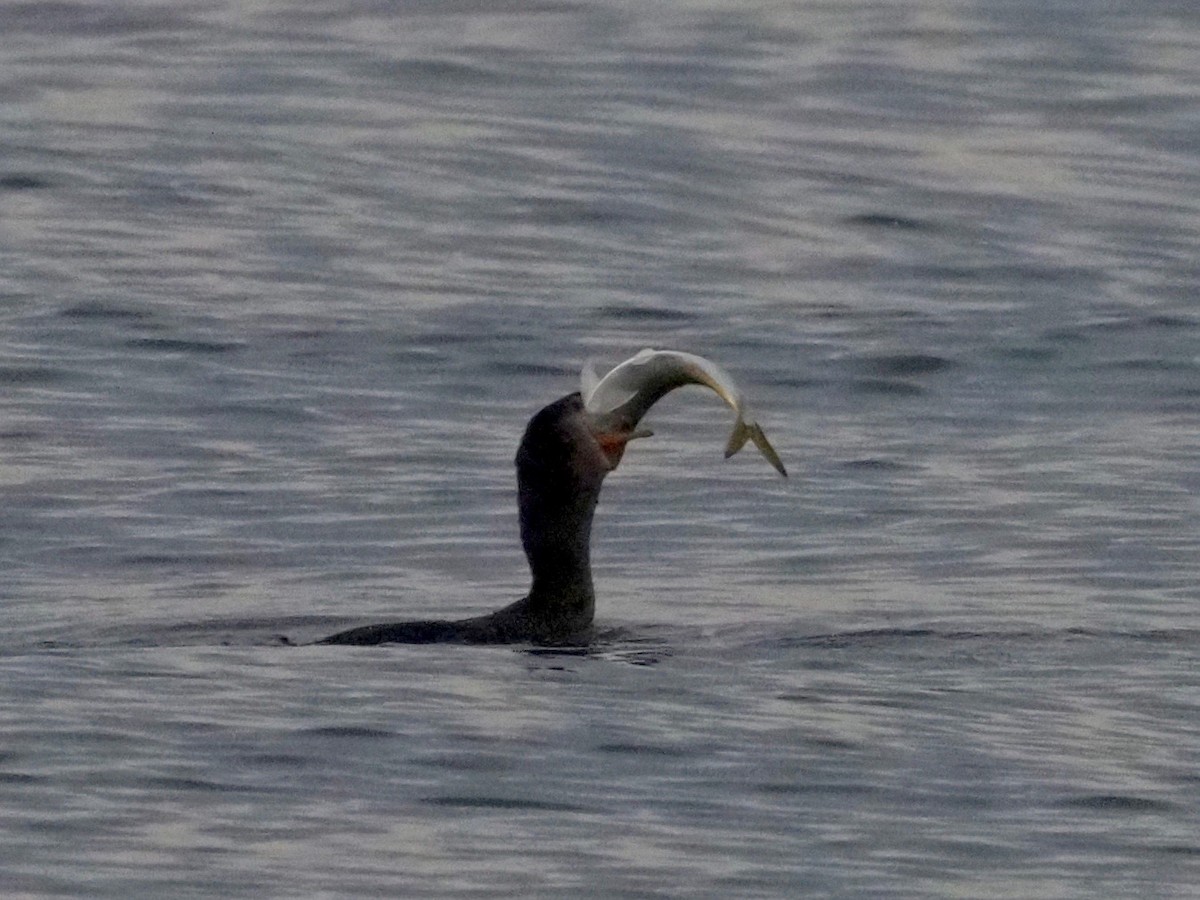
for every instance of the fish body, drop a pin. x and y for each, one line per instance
(622, 397)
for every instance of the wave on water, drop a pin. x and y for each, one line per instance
(929, 635)
(641, 644)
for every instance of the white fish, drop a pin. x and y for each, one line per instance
(623, 396)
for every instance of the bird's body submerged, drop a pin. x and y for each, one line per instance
(514, 624)
(568, 448)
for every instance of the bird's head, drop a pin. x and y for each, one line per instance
(564, 443)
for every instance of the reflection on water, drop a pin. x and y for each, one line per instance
(282, 286)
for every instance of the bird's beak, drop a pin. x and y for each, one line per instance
(612, 440)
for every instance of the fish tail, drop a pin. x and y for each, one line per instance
(742, 432)
(764, 447)
(737, 437)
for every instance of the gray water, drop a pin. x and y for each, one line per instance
(281, 284)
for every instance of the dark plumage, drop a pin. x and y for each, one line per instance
(561, 463)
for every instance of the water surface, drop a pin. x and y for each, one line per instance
(279, 288)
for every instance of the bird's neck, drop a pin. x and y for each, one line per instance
(556, 528)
